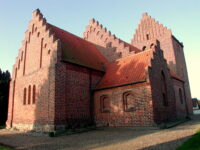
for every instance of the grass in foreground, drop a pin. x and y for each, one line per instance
(192, 143)
(4, 148)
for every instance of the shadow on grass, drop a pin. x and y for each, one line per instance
(193, 143)
(171, 145)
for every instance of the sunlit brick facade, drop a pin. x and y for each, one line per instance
(60, 80)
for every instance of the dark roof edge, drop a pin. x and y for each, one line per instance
(137, 82)
(177, 40)
(64, 61)
(178, 79)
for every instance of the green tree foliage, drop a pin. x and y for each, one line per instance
(4, 92)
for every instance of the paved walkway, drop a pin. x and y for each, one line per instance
(106, 139)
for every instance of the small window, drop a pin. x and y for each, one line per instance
(29, 94)
(24, 101)
(38, 34)
(128, 101)
(151, 46)
(181, 96)
(49, 51)
(105, 104)
(34, 92)
(144, 48)
(147, 36)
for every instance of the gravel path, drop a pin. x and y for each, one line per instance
(106, 139)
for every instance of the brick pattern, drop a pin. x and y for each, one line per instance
(172, 48)
(141, 114)
(74, 86)
(182, 71)
(66, 93)
(162, 113)
(99, 35)
(27, 72)
(181, 107)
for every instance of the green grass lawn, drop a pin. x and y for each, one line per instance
(192, 143)
(4, 148)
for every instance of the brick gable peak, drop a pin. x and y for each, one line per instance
(148, 29)
(96, 33)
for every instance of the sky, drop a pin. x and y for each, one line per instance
(119, 16)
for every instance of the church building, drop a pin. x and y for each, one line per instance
(61, 80)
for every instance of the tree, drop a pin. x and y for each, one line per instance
(4, 92)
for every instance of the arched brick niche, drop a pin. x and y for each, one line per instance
(129, 101)
(164, 89)
(105, 104)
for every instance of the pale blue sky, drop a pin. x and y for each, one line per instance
(119, 16)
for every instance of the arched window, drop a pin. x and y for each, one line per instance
(164, 89)
(147, 36)
(180, 96)
(24, 101)
(105, 104)
(38, 34)
(34, 90)
(128, 101)
(144, 47)
(41, 51)
(29, 94)
(151, 46)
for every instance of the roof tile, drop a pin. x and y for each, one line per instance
(79, 51)
(126, 70)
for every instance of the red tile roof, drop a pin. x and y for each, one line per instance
(79, 51)
(126, 70)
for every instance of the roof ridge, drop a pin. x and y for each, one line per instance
(78, 51)
(136, 54)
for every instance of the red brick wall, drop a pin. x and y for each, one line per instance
(141, 115)
(172, 48)
(182, 71)
(162, 113)
(181, 107)
(29, 73)
(99, 35)
(74, 86)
